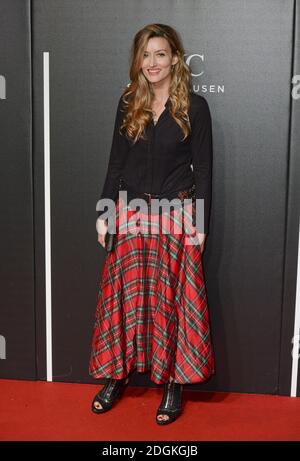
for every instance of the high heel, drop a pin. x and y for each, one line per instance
(170, 404)
(109, 394)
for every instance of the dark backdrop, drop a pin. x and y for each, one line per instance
(245, 55)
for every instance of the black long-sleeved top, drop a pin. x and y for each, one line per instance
(163, 162)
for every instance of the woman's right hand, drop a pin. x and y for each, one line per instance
(101, 227)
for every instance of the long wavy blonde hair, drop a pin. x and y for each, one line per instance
(138, 94)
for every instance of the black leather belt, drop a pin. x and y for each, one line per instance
(181, 194)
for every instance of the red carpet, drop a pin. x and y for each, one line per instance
(34, 410)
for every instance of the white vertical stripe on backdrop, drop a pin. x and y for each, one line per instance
(47, 216)
(295, 345)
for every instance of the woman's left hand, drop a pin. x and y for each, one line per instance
(201, 239)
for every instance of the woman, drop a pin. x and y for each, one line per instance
(152, 312)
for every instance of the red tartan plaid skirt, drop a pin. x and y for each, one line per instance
(152, 313)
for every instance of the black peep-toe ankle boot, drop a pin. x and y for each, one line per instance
(108, 395)
(170, 404)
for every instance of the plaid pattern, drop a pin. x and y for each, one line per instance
(152, 312)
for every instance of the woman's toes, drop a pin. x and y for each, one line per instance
(97, 405)
(162, 417)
